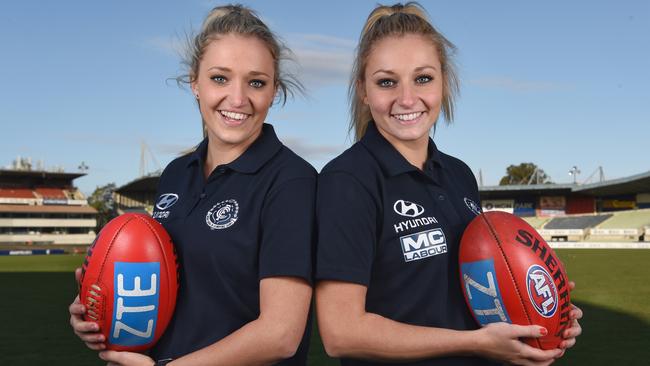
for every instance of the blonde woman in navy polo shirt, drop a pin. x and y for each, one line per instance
(240, 210)
(391, 211)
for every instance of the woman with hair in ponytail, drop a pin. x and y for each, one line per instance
(243, 220)
(391, 211)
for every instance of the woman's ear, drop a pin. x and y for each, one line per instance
(195, 90)
(361, 91)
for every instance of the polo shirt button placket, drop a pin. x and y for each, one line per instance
(217, 172)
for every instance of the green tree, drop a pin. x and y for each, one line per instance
(524, 173)
(102, 201)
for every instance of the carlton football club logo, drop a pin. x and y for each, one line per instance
(166, 201)
(472, 206)
(222, 215)
(408, 209)
(541, 290)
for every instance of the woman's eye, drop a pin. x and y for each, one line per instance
(257, 83)
(219, 79)
(386, 83)
(423, 79)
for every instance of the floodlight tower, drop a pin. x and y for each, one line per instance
(574, 171)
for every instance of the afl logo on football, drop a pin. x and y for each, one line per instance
(166, 201)
(222, 215)
(541, 290)
(472, 206)
(408, 209)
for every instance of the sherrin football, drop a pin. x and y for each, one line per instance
(129, 282)
(510, 274)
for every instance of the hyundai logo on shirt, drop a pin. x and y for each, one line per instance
(166, 201)
(408, 209)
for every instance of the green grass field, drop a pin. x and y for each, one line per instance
(612, 290)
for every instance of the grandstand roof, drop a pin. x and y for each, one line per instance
(142, 184)
(524, 190)
(39, 174)
(27, 178)
(629, 185)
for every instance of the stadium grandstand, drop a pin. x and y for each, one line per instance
(42, 209)
(138, 195)
(611, 210)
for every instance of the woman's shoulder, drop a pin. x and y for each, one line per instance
(355, 167)
(356, 160)
(453, 163)
(292, 165)
(177, 164)
(458, 169)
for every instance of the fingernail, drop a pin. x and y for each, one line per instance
(543, 332)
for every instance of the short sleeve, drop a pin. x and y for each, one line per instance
(346, 217)
(472, 180)
(287, 223)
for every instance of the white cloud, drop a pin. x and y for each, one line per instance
(98, 139)
(323, 60)
(318, 68)
(323, 40)
(174, 149)
(310, 151)
(511, 84)
(175, 46)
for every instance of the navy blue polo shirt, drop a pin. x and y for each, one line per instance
(250, 219)
(389, 226)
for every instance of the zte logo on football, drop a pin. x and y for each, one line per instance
(135, 303)
(541, 290)
(423, 245)
(482, 291)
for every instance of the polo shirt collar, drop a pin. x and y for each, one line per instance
(260, 151)
(390, 160)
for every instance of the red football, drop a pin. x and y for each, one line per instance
(510, 274)
(129, 282)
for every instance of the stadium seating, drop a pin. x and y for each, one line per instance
(572, 228)
(53, 193)
(576, 222)
(16, 193)
(623, 226)
(536, 221)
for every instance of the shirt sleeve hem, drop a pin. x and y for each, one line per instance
(342, 274)
(305, 275)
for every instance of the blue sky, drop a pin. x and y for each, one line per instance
(556, 83)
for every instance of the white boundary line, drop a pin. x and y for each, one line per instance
(598, 245)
